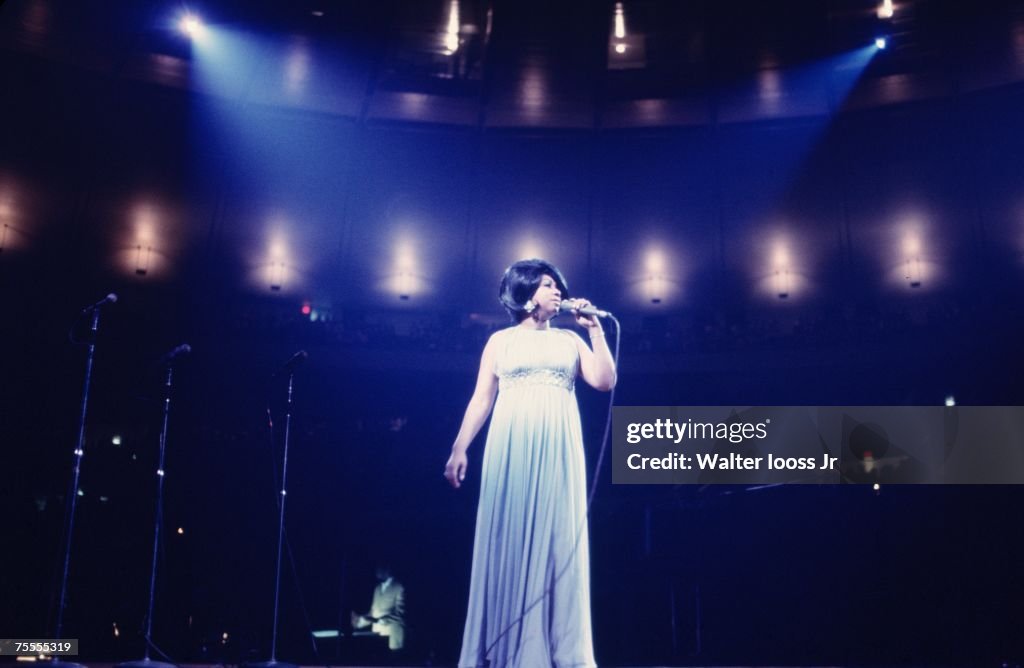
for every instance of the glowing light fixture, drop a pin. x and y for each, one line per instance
(655, 288)
(782, 282)
(145, 218)
(950, 401)
(191, 25)
(404, 270)
(913, 272)
(451, 37)
(142, 260)
(533, 92)
(886, 10)
(655, 282)
(405, 283)
(277, 268)
(881, 43)
(9, 230)
(276, 275)
(782, 278)
(619, 31)
(912, 261)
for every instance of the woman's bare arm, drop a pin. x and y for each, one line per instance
(479, 408)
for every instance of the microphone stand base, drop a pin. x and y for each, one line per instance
(145, 663)
(269, 664)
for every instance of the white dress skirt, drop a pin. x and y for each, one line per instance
(529, 596)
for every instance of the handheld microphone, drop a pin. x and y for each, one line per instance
(569, 305)
(289, 367)
(109, 299)
(183, 349)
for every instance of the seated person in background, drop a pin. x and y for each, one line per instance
(387, 611)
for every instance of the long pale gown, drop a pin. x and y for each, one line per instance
(529, 597)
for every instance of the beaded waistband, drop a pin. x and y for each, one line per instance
(528, 377)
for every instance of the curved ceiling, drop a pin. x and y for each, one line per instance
(531, 64)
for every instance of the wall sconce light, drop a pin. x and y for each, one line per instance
(142, 260)
(405, 280)
(655, 288)
(655, 283)
(405, 284)
(912, 269)
(912, 261)
(277, 265)
(276, 275)
(782, 282)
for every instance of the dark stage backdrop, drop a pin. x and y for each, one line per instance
(786, 575)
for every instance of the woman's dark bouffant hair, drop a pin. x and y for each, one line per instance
(521, 281)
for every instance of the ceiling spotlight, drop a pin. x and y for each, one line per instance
(190, 25)
(881, 43)
(886, 10)
(620, 48)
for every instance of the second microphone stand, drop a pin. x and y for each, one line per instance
(146, 661)
(273, 662)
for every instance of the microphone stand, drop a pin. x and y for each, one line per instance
(273, 662)
(73, 498)
(146, 661)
